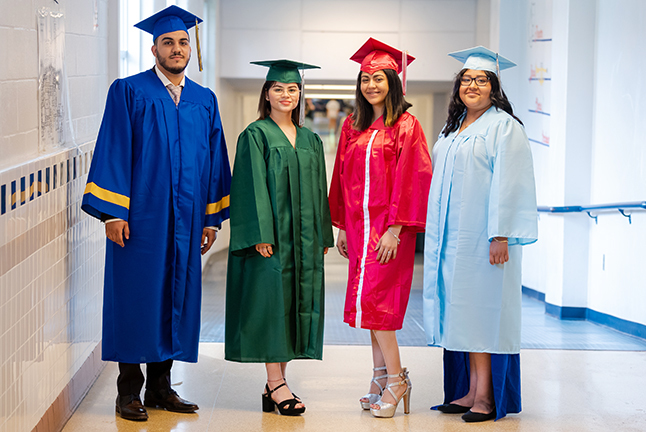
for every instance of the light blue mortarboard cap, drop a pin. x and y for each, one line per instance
(481, 58)
(168, 20)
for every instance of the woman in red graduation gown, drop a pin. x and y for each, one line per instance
(381, 179)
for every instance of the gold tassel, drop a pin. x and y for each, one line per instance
(199, 52)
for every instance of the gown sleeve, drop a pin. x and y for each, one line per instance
(337, 200)
(326, 224)
(252, 220)
(412, 177)
(108, 185)
(512, 201)
(217, 208)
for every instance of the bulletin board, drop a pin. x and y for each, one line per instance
(540, 72)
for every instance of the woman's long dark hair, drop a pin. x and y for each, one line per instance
(395, 104)
(264, 107)
(457, 107)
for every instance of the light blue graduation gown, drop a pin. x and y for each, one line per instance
(483, 187)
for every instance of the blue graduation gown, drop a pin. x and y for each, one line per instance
(483, 187)
(165, 170)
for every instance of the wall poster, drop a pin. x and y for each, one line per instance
(540, 72)
(51, 48)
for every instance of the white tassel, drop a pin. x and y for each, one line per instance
(301, 111)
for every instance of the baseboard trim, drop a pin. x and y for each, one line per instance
(580, 313)
(534, 294)
(629, 327)
(60, 411)
(566, 312)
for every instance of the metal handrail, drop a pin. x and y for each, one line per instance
(621, 207)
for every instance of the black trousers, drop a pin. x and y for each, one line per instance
(131, 379)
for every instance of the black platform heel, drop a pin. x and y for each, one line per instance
(286, 407)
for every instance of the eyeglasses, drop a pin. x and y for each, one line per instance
(291, 91)
(481, 81)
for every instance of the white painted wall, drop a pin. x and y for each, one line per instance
(618, 171)
(327, 33)
(596, 154)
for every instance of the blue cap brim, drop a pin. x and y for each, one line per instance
(481, 58)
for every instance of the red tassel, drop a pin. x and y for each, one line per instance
(404, 66)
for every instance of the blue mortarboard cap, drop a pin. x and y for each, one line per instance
(481, 58)
(284, 71)
(168, 20)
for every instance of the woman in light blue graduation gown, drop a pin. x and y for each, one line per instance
(481, 210)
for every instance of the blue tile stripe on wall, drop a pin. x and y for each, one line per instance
(3, 196)
(580, 313)
(38, 186)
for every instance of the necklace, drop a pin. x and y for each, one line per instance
(291, 137)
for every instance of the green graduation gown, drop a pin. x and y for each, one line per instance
(274, 306)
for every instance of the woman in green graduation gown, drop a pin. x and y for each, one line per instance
(280, 230)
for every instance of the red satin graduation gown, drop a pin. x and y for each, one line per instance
(382, 176)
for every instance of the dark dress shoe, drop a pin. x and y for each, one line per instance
(471, 417)
(452, 408)
(169, 400)
(129, 407)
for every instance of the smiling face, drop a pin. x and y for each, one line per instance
(374, 87)
(283, 97)
(172, 51)
(475, 98)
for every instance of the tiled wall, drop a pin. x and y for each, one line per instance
(51, 279)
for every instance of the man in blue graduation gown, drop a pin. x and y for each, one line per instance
(160, 180)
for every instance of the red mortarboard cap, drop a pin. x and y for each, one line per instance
(375, 55)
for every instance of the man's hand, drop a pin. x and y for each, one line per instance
(116, 231)
(208, 238)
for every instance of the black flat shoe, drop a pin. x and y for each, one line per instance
(129, 407)
(169, 400)
(471, 417)
(452, 408)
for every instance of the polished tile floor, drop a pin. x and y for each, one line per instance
(562, 391)
(539, 331)
(565, 388)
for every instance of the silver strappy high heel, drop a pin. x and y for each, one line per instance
(372, 397)
(387, 410)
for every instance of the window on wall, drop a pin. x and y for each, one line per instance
(134, 44)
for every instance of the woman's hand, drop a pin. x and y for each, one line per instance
(342, 243)
(498, 251)
(388, 243)
(325, 251)
(264, 249)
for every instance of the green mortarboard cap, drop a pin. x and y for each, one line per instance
(284, 71)
(168, 20)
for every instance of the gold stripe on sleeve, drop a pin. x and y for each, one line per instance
(106, 195)
(218, 206)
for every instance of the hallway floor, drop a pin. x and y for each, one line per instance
(562, 391)
(564, 388)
